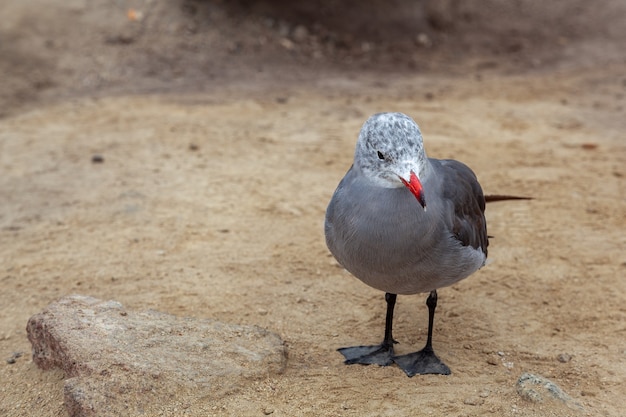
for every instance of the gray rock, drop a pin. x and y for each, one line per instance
(537, 389)
(121, 362)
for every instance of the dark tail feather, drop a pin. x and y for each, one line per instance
(497, 197)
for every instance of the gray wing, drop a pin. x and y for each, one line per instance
(462, 189)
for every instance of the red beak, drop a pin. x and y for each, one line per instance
(415, 186)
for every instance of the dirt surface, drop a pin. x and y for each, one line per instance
(179, 155)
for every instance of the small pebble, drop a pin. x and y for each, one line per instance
(13, 357)
(537, 389)
(423, 39)
(564, 357)
(287, 44)
(474, 401)
(97, 159)
(493, 361)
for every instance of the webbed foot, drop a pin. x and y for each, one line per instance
(423, 362)
(368, 355)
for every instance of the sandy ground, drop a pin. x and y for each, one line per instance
(210, 203)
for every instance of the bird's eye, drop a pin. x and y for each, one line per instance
(380, 155)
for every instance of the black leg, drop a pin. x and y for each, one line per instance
(425, 361)
(377, 354)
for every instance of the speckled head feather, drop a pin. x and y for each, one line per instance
(389, 147)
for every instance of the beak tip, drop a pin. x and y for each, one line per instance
(415, 186)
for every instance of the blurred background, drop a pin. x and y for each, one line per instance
(54, 48)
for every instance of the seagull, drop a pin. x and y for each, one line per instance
(405, 224)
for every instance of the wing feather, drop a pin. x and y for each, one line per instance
(462, 190)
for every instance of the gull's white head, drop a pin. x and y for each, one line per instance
(390, 152)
